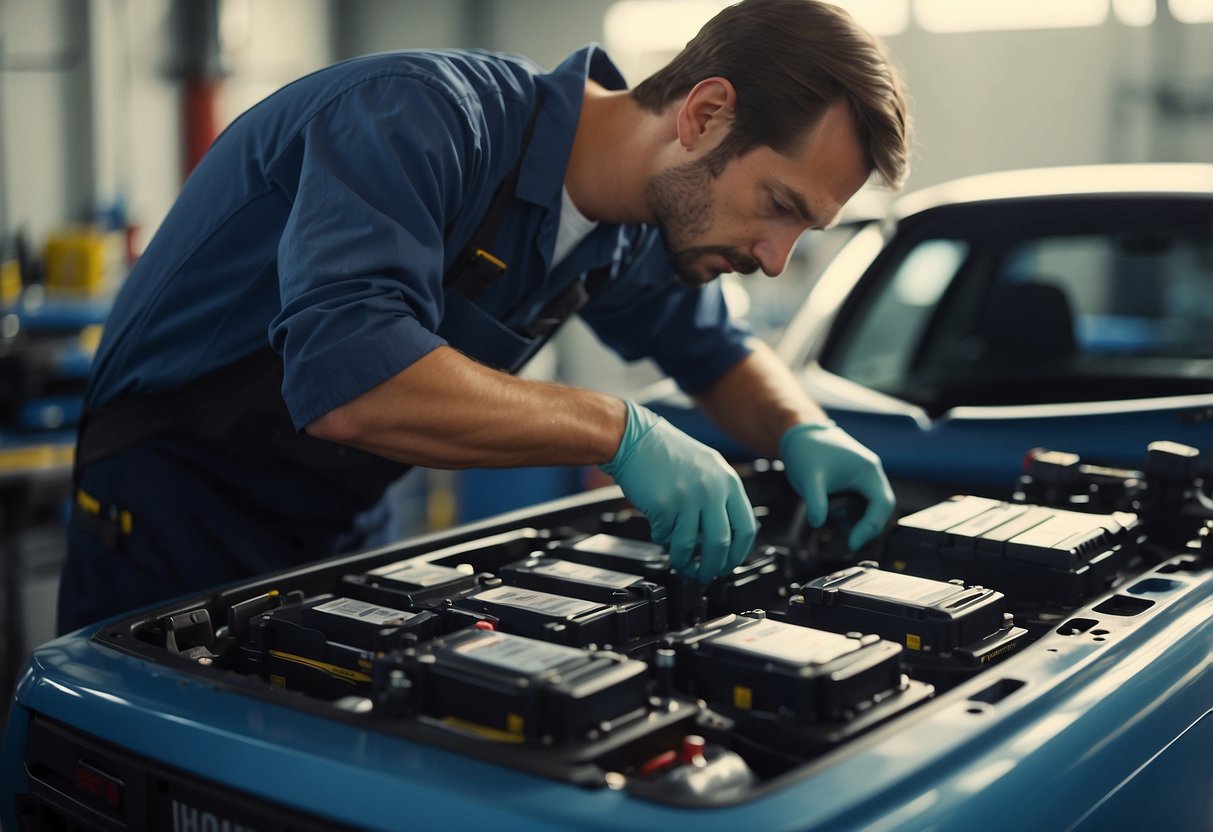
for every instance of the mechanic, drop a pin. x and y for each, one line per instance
(351, 275)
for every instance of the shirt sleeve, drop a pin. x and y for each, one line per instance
(360, 261)
(647, 313)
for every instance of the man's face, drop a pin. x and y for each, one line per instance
(750, 216)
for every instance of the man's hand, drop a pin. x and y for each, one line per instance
(822, 459)
(691, 496)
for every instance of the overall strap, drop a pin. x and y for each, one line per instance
(477, 268)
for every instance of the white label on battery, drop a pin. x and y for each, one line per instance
(895, 587)
(530, 599)
(588, 574)
(360, 611)
(522, 655)
(605, 544)
(789, 643)
(418, 573)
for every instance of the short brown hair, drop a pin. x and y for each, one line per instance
(789, 61)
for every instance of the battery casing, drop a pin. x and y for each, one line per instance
(511, 688)
(325, 645)
(557, 618)
(942, 618)
(414, 583)
(747, 587)
(642, 602)
(752, 663)
(1039, 554)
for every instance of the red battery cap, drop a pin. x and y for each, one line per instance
(483, 625)
(692, 750)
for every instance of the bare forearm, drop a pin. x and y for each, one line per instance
(446, 411)
(759, 399)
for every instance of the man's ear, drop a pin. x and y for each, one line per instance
(707, 112)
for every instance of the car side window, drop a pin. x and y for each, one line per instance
(1139, 294)
(882, 345)
(1037, 312)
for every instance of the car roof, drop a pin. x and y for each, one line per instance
(1155, 179)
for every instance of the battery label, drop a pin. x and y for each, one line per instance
(530, 599)
(517, 653)
(605, 544)
(360, 611)
(588, 574)
(788, 643)
(896, 587)
(418, 573)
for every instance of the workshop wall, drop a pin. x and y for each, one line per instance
(90, 101)
(90, 110)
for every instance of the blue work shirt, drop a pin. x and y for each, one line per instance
(323, 220)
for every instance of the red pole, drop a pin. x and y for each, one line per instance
(201, 118)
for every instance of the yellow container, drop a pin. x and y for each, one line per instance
(77, 261)
(10, 282)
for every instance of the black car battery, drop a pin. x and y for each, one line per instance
(1035, 554)
(414, 583)
(627, 523)
(420, 585)
(795, 688)
(1061, 479)
(558, 618)
(325, 645)
(427, 580)
(622, 554)
(752, 663)
(943, 625)
(1168, 493)
(643, 602)
(751, 585)
(510, 688)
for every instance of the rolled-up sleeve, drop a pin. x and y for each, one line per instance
(360, 262)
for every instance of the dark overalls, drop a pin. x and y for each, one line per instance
(308, 259)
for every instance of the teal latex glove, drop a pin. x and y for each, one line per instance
(690, 495)
(821, 459)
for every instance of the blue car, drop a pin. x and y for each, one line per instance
(1068, 308)
(997, 665)
(1023, 649)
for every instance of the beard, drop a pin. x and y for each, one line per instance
(680, 200)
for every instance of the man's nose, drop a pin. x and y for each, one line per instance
(773, 251)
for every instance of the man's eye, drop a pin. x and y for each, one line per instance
(778, 207)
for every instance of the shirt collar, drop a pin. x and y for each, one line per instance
(543, 168)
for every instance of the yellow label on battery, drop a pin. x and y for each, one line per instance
(743, 697)
(914, 642)
(345, 674)
(482, 730)
(277, 681)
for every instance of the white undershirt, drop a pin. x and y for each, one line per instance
(574, 227)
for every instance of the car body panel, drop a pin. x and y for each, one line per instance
(1089, 725)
